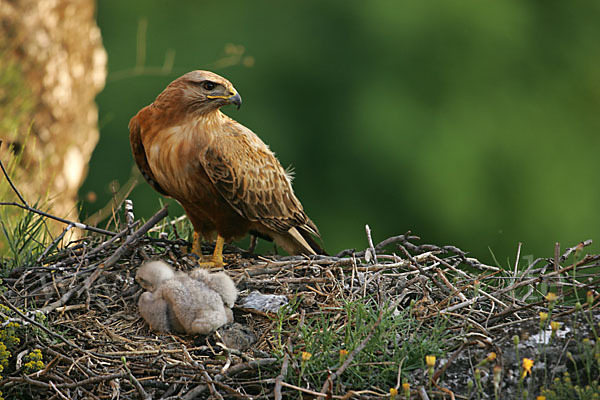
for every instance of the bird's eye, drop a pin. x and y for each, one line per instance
(208, 85)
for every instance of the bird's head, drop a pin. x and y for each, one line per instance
(202, 92)
(152, 274)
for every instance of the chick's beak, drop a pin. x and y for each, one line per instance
(235, 99)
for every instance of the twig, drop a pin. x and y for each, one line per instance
(160, 227)
(209, 382)
(136, 383)
(395, 239)
(516, 270)
(59, 219)
(73, 385)
(58, 392)
(537, 279)
(131, 239)
(572, 249)
(236, 369)
(54, 242)
(27, 207)
(10, 182)
(422, 393)
(311, 392)
(371, 246)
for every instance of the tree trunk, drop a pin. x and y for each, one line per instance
(52, 65)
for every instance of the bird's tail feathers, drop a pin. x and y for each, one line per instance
(308, 234)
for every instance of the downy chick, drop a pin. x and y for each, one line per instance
(176, 302)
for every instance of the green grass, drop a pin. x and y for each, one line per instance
(398, 344)
(24, 236)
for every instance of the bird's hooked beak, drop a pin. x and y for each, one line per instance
(231, 99)
(235, 99)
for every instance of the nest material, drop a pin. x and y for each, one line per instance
(96, 345)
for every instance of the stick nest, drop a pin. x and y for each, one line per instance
(96, 345)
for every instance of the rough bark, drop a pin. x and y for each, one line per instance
(52, 64)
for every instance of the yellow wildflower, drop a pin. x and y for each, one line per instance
(551, 297)
(406, 388)
(430, 361)
(527, 364)
(555, 325)
(393, 393)
(543, 316)
(343, 354)
(34, 361)
(306, 356)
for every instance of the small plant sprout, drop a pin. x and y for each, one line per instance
(527, 363)
(543, 319)
(430, 362)
(555, 325)
(406, 390)
(489, 358)
(343, 355)
(516, 343)
(497, 379)
(551, 298)
(589, 298)
(478, 382)
(306, 356)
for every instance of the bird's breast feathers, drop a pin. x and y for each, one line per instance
(173, 157)
(175, 154)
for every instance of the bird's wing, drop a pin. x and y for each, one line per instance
(139, 155)
(247, 174)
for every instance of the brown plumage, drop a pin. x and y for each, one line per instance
(224, 176)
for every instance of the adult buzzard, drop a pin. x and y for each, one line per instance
(224, 176)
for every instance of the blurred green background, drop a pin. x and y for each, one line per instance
(472, 123)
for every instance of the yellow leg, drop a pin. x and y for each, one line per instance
(216, 260)
(197, 245)
(217, 256)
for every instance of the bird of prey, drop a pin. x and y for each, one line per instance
(226, 178)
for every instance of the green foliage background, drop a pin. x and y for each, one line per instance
(472, 123)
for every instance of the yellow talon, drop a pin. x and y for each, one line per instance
(216, 260)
